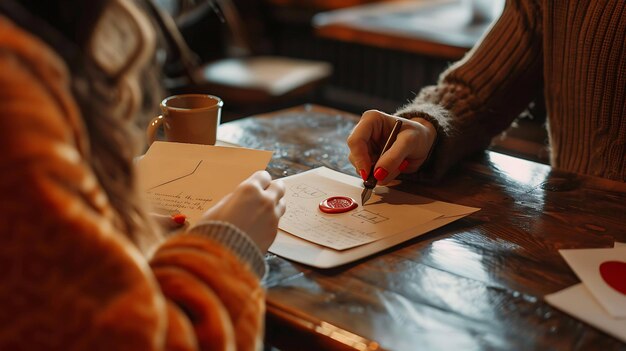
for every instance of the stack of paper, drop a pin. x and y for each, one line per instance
(190, 178)
(600, 299)
(309, 236)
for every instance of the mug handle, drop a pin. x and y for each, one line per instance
(152, 129)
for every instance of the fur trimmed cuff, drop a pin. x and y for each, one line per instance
(431, 170)
(434, 114)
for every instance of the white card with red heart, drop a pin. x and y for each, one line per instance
(603, 272)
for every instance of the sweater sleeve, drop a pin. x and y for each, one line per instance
(203, 278)
(479, 96)
(211, 288)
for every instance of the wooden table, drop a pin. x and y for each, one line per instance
(477, 283)
(438, 28)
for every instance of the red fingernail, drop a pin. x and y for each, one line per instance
(363, 174)
(403, 165)
(380, 173)
(179, 218)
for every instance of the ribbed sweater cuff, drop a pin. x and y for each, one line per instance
(235, 240)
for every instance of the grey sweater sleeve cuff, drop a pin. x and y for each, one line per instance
(235, 240)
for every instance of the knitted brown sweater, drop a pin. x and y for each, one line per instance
(575, 50)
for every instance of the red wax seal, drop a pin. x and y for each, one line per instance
(338, 204)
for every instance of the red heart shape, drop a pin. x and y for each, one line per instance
(614, 274)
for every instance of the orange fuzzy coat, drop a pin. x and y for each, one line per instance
(68, 279)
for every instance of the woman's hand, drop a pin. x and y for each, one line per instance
(406, 155)
(255, 207)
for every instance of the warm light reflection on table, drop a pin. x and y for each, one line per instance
(519, 170)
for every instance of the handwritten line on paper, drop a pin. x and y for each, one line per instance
(306, 192)
(177, 203)
(371, 217)
(178, 178)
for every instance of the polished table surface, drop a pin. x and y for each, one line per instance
(439, 28)
(477, 283)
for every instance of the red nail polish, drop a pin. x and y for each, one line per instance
(380, 173)
(363, 174)
(179, 218)
(403, 165)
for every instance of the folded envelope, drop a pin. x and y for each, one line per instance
(306, 252)
(157, 171)
(190, 178)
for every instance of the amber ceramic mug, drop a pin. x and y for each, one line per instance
(188, 118)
